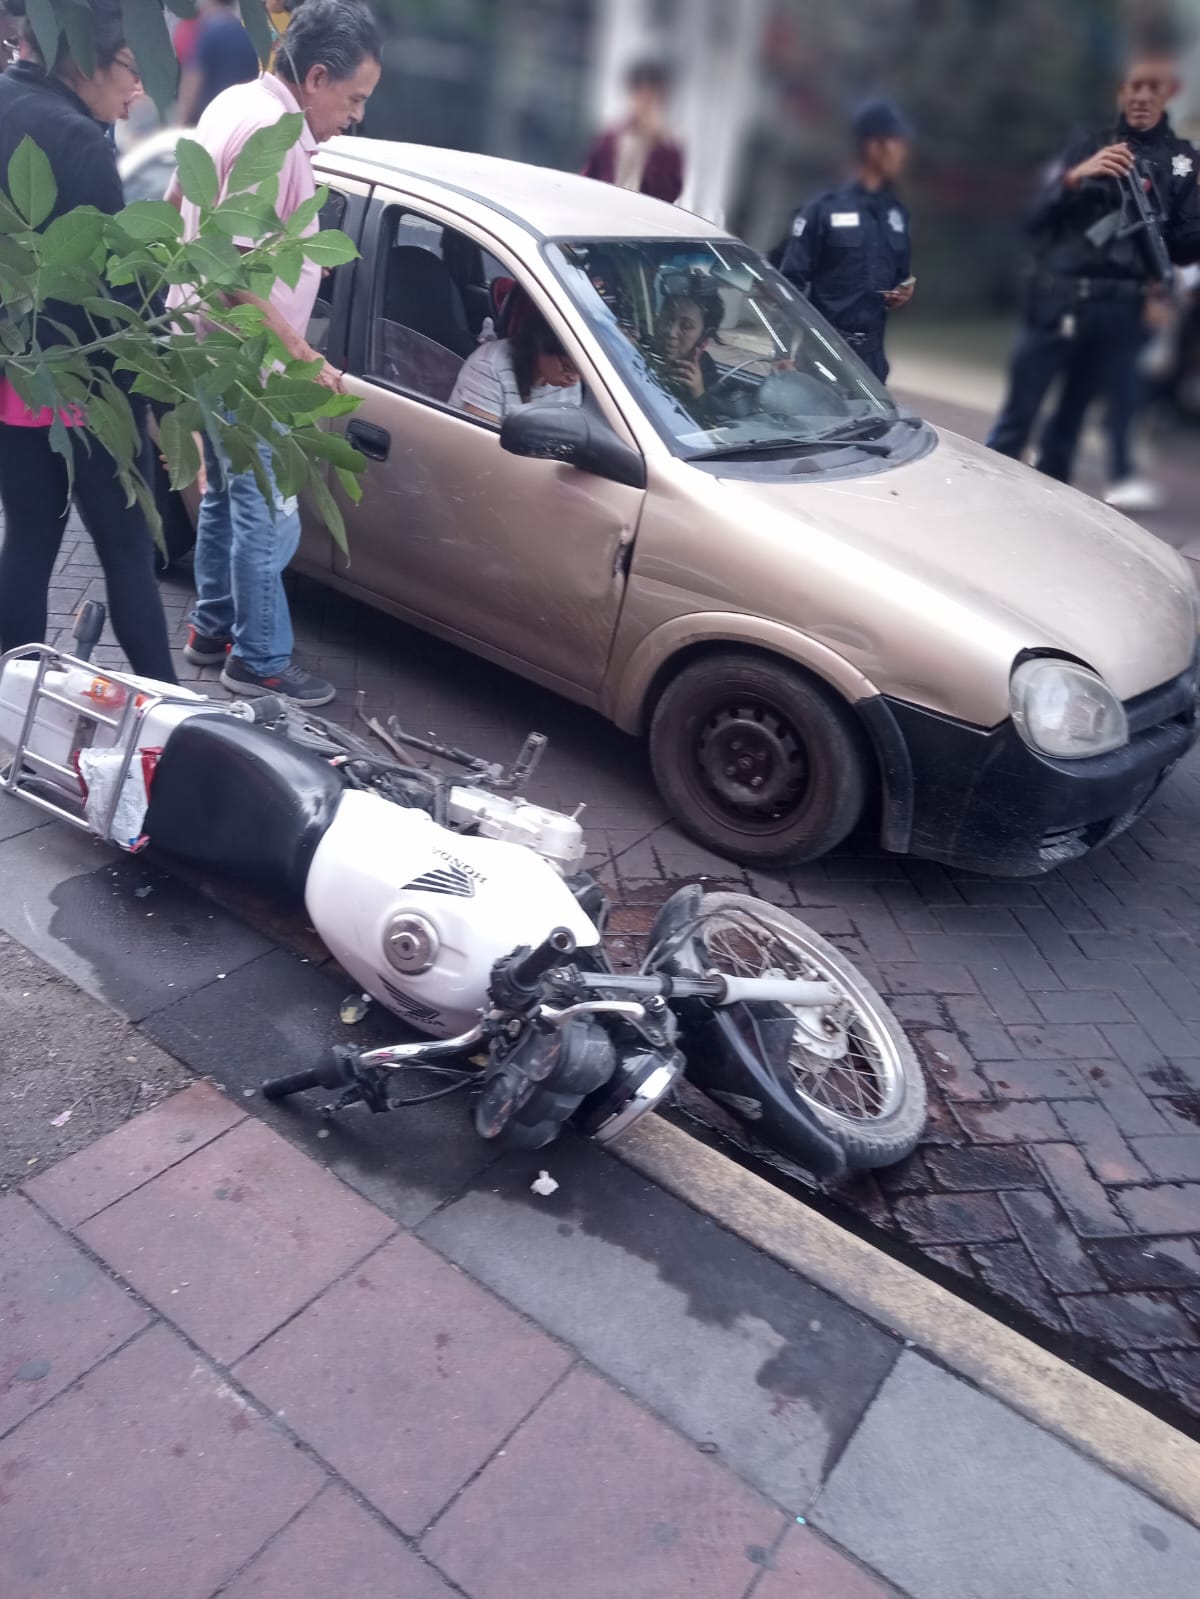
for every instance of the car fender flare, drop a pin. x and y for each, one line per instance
(650, 664)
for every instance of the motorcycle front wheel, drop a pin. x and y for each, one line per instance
(862, 1080)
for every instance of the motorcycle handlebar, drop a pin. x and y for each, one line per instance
(721, 990)
(528, 970)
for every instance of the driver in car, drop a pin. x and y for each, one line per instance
(688, 321)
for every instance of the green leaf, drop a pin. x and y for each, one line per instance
(306, 213)
(106, 309)
(330, 511)
(148, 221)
(76, 18)
(16, 258)
(263, 153)
(31, 183)
(246, 216)
(145, 498)
(146, 29)
(258, 26)
(330, 248)
(179, 448)
(72, 239)
(351, 486)
(334, 447)
(69, 284)
(289, 264)
(210, 258)
(11, 220)
(42, 17)
(197, 173)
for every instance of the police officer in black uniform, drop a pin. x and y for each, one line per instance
(849, 249)
(1086, 299)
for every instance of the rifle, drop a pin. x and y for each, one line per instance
(1145, 225)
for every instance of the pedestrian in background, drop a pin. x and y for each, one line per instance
(66, 112)
(327, 67)
(1084, 320)
(221, 56)
(850, 250)
(639, 154)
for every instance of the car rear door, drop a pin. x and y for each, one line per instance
(524, 560)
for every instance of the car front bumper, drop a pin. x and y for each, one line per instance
(981, 799)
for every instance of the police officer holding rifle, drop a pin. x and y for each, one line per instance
(1116, 210)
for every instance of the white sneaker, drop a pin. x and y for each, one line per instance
(1134, 494)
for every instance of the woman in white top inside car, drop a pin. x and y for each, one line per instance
(527, 367)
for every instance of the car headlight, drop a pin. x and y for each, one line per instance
(1063, 709)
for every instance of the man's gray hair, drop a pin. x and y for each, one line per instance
(338, 35)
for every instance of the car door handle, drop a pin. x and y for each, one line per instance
(373, 442)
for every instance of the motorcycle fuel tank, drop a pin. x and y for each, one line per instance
(419, 915)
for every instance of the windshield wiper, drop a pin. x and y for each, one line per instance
(808, 446)
(867, 434)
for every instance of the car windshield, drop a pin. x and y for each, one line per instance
(723, 353)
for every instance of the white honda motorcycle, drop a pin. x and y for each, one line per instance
(465, 910)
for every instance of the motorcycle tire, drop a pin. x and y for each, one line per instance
(873, 1100)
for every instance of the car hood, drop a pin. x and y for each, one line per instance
(1024, 555)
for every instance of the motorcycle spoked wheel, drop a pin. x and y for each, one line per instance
(870, 1094)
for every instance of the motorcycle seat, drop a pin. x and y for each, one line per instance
(230, 797)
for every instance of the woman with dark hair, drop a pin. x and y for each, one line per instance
(689, 319)
(527, 367)
(65, 111)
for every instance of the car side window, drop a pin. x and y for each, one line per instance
(331, 215)
(432, 296)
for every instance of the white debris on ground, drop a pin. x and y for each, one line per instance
(543, 1184)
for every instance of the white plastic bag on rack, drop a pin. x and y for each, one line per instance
(99, 770)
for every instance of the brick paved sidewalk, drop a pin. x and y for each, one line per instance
(224, 1373)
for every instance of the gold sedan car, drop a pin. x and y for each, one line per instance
(611, 449)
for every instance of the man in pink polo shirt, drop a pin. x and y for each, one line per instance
(327, 66)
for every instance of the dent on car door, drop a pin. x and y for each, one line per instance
(522, 558)
(327, 332)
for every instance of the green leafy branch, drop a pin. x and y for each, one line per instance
(211, 364)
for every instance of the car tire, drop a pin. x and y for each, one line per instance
(757, 760)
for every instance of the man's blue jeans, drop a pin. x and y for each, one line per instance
(241, 552)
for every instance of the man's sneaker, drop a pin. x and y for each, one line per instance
(293, 683)
(202, 650)
(1134, 494)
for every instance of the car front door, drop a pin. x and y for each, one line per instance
(521, 559)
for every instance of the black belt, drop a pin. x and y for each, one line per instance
(1097, 288)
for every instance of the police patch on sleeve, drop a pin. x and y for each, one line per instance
(798, 227)
(1181, 165)
(896, 219)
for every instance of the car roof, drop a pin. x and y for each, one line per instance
(549, 203)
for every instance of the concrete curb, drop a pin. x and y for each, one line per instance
(1112, 1430)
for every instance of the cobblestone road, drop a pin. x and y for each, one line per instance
(1058, 1020)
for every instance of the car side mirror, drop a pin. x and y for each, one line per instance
(577, 435)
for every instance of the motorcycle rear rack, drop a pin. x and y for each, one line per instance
(27, 767)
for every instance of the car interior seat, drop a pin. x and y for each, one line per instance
(421, 294)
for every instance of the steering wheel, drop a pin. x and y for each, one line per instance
(733, 372)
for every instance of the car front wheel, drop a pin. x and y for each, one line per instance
(756, 760)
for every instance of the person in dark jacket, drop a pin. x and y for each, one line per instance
(639, 155)
(850, 250)
(64, 111)
(1086, 299)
